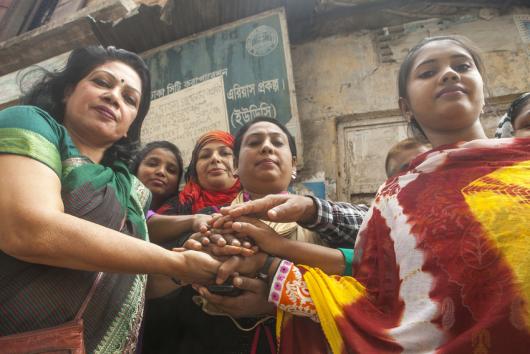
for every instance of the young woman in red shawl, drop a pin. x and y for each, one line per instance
(442, 261)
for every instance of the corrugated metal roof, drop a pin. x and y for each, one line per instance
(151, 26)
(139, 31)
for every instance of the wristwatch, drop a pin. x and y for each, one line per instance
(263, 273)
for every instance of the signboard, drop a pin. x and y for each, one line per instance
(249, 57)
(198, 109)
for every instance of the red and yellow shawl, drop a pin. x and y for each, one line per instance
(442, 263)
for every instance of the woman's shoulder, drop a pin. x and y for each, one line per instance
(25, 111)
(30, 131)
(31, 118)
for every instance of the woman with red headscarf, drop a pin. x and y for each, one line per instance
(210, 183)
(210, 180)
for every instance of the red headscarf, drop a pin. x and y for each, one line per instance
(193, 193)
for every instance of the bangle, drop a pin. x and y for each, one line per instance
(348, 260)
(269, 283)
(263, 273)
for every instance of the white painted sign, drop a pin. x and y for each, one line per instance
(183, 116)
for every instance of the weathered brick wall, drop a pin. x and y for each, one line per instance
(344, 76)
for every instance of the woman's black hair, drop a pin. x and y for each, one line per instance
(238, 139)
(160, 144)
(517, 105)
(49, 92)
(406, 67)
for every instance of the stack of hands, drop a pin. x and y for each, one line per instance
(241, 243)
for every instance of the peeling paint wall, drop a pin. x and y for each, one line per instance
(342, 76)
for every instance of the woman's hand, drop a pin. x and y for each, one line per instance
(200, 222)
(198, 267)
(263, 235)
(274, 207)
(219, 244)
(221, 224)
(225, 237)
(252, 302)
(199, 242)
(241, 265)
(223, 234)
(166, 228)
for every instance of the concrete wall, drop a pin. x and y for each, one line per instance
(341, 81)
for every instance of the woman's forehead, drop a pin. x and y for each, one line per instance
(214, 144)
(264, 128)
(122, 72)
(436, 50)
(162, 152)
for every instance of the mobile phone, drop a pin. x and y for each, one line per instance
(224, 290)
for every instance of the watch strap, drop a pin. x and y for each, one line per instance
(263, 273)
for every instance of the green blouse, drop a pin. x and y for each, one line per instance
(35, 296)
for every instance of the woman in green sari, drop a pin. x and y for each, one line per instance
(70, 209)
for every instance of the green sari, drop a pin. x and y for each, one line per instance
(34, 296)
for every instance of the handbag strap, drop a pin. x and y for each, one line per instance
(91, 292)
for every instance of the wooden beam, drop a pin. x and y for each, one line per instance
(9, 83)
(58, 37)
(14, 19)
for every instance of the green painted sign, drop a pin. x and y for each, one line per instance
(252, 55)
